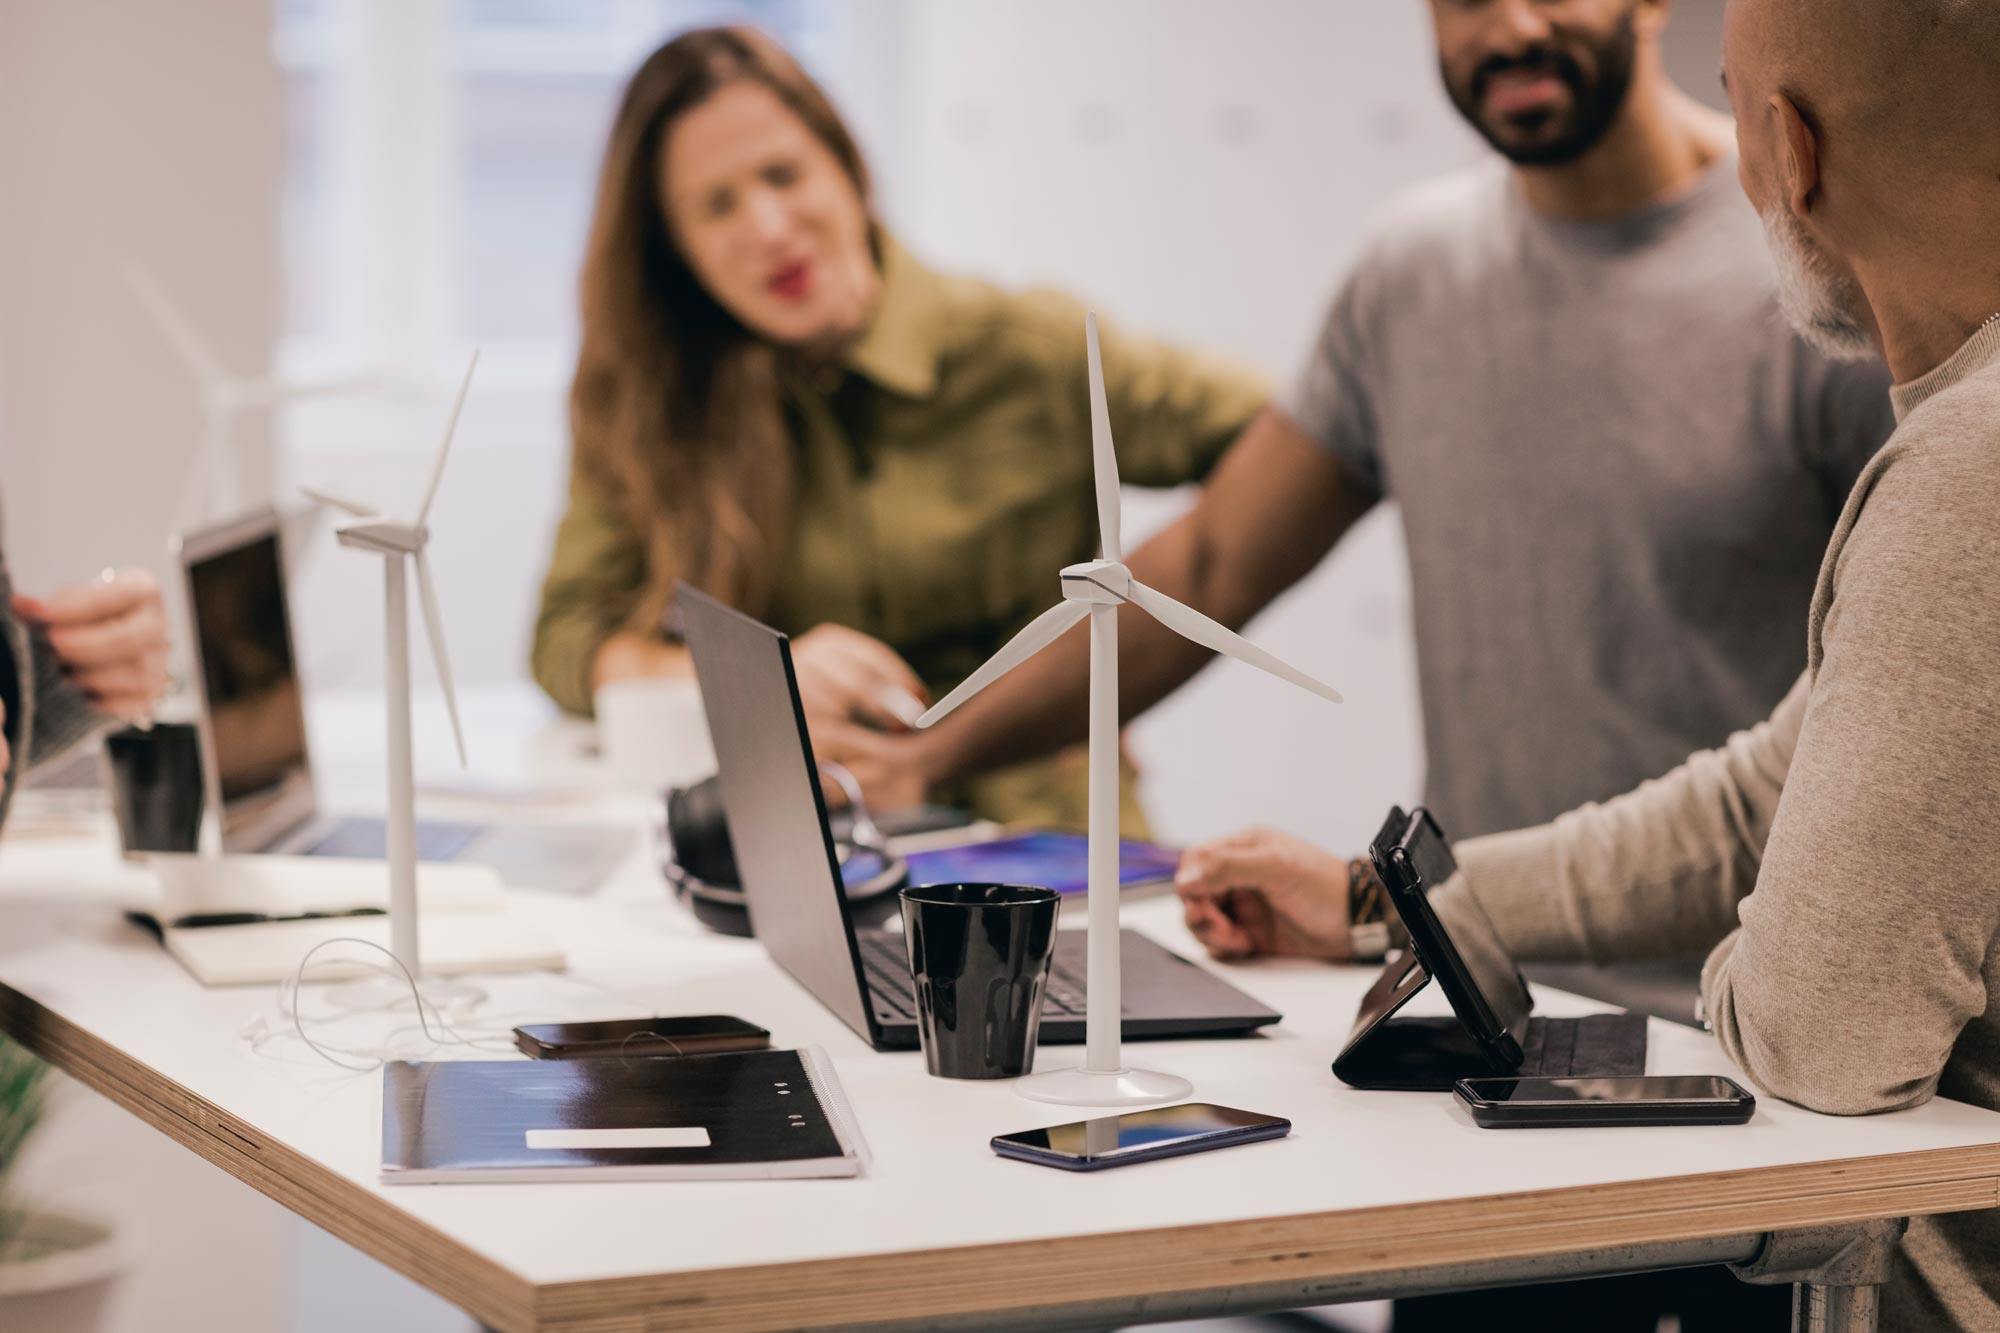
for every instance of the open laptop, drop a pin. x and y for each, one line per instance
(256, 767)
(791, 873)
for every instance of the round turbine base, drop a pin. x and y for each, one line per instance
(1091, 1087)
(376, 994)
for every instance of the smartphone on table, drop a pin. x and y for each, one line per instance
(1140, 1136)
(1529, 1103)
(703, 1034)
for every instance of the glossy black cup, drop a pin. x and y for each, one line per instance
(156, 789)
(980, 955)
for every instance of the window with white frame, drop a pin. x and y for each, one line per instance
(442, 157)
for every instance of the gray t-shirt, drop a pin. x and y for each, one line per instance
(1618, 472)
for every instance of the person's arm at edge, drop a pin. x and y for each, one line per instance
(1273, 507)
(1863, 953)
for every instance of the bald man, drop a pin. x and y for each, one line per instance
(1842, 859)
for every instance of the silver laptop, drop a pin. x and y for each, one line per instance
(256, 766)
(784, 851)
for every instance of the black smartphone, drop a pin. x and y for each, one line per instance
(705, 1034)
(1681, 1099)
(1140, 1136)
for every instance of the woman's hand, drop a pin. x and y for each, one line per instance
(845, 677)
(1265, 892)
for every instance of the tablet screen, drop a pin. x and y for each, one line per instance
(1059, 861)
(1470, 957)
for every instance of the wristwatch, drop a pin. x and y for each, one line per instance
(1372, 927)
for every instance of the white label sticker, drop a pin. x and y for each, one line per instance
(695, 1137)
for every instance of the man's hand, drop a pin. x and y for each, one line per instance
(111, 637)
(847, 677)
(1265, 892)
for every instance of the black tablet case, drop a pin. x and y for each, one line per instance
(1429, 1054)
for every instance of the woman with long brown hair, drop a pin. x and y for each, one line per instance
(777, 403)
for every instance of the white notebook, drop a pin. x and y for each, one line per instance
(466, 923)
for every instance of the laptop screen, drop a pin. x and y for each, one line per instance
(254, 710)
(772, 802)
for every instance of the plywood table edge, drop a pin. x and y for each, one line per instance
(489, 1292)
(1300, 1248)
(854, 1290)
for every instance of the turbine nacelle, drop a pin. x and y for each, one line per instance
(1097, 583)
(386, 536)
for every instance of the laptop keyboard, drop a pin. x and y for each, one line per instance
(368, 839)
(886, 963)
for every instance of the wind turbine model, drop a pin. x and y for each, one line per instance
(211, 488)
(398, 542)
(1096, 590)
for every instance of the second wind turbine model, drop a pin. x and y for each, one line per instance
(401, 542)
(1095, 590)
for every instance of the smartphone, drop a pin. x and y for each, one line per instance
(706, 1034)
(1140, 1136)
(1527, 1103)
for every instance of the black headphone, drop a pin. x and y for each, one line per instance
(691, 843)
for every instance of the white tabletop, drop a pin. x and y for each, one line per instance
(934, 1184)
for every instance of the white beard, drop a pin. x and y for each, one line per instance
(1820, 305)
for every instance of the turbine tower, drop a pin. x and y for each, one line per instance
(1094, 591)
(401, 542)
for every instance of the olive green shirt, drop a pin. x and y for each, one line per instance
(944, 477)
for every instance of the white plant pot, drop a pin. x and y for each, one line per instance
(66, 1286)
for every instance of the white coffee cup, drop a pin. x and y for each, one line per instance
(652, 734)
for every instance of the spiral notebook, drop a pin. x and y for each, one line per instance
(739, 1116)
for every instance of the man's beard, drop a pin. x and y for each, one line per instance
(1822, 306)
(1594, 104)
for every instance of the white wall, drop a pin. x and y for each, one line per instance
(146, 129)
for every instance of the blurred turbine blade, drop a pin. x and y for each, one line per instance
(328, 498)
(434, 623)
(1192, 624)
(174, 325)
(1104, 459)
(1042, 631)
(444, 449)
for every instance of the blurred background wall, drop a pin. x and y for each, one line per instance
(326, 185)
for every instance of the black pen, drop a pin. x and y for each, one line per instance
(197, 919)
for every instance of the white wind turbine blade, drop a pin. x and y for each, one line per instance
(434, 623)
(1192, 624)
(1104, 459)
(444, 449)
(1042, 631)
(176, 327)
(331, 500)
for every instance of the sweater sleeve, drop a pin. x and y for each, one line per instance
(1863, 953)
(1654, 873)
(596, 575)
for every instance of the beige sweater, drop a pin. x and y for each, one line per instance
(1843, 857)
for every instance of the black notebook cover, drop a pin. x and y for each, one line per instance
(742, 1115)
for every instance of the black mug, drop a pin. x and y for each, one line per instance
(156, 789)
(980, 956)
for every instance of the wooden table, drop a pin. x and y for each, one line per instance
(1374, 1193)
